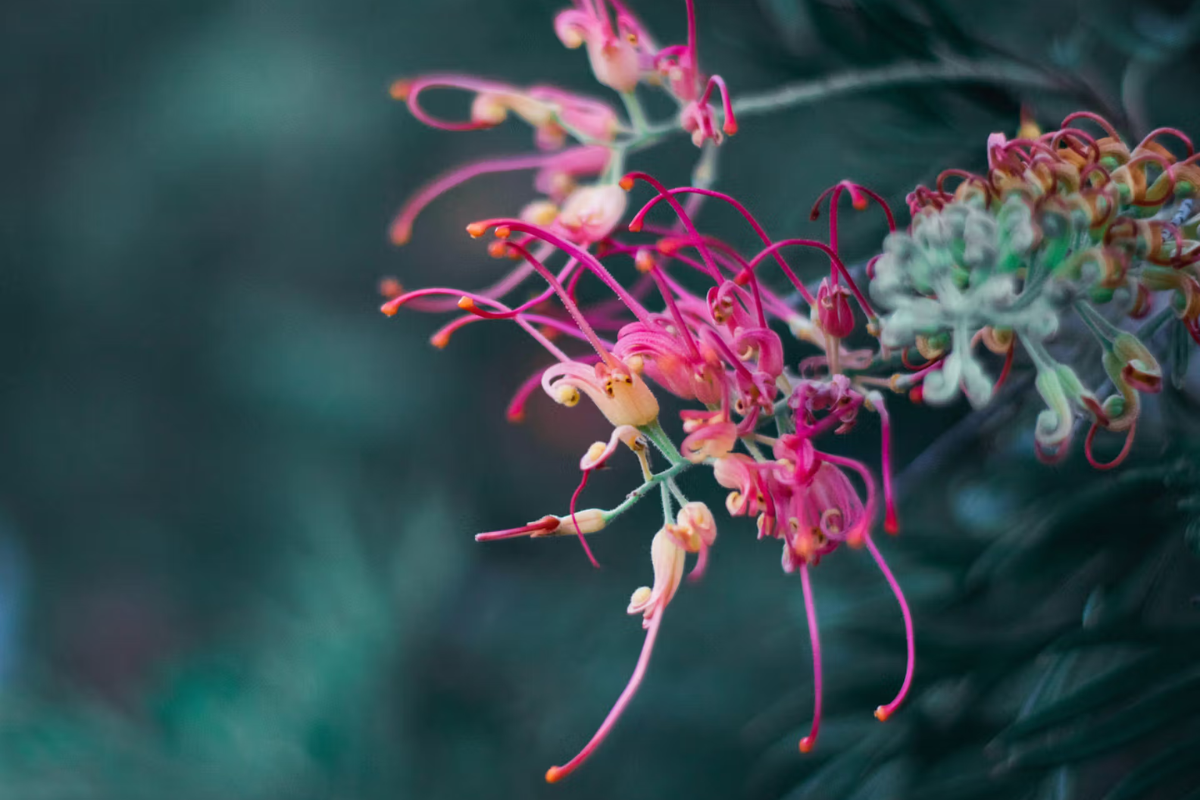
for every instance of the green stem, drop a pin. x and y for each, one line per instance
(654, 432)
(806, 92)
(640, 492)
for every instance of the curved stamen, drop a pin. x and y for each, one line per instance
(1120, 457)
(858, 198)
(570, 305)
(505, 226)
(627, 184)
(729, 126)
(401, 228)
(883, 712)
(741, 209)
(824, 248)
(814, 636)
(1096, 118)
(555, 774)
(575, 522)
(408, 91)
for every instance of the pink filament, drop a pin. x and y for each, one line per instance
(741, 209)
(557, 773)
(401, 228)
(807, 743)
(680, 212)
(883, 712)
(890, 523)
(837, 263)
(574, 499)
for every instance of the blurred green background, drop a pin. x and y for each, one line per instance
(237, 503)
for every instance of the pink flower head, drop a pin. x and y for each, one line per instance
(620, 394)
(612, 50)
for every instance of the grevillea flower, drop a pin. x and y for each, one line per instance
(1065, 227)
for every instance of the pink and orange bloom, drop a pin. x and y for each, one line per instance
(690, 316)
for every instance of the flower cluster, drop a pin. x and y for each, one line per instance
(579, 138)
(690, 316)
(1063, 225)
(1061, 222)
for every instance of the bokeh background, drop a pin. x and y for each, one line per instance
(237, 503)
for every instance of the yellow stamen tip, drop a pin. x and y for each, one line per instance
(554, 775)
(882, 714)
(477, 229)
(626, 183)
(466, 303)
(503, 232)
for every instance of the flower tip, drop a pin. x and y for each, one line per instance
(440, 340)
(635, 226)
(401, 235)
(917, 394)
(644, 262)
(503, 232)
(390, 288)
(516, 417)
(807, 744)
(890, 523)
(466, 304)
(399, 89)
(477, 229)
(391, 307)
(554, 774)
(742, 278)
(882, 714)
(626, 183)
(859, 202)
(730, 127)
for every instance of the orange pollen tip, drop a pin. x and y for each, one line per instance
(549, 333)
(635, 226)
(626, 183)
(440, 340)
(668, 246)
(730, 127)
(466, 304)
(390, 307)
(554, 775)
(644, 261)
(399, 89)
(503, 232)
(742, 278)
(882, 714)
(477, 229)
(516, 418)
(390, 288)
(806, 745)
(859, 203)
